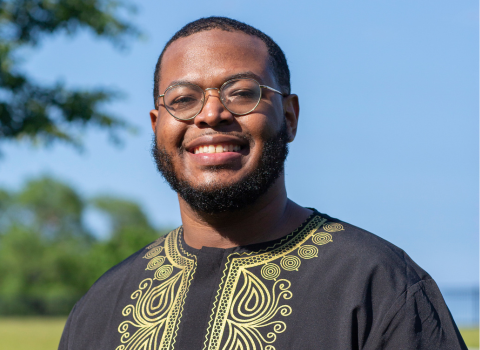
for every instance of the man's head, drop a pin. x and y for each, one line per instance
(251, 149)
(277, 57)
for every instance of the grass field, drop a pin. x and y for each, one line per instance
(470, 335)
(44, 333)
(30, 333)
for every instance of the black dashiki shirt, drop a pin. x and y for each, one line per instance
(327, 285)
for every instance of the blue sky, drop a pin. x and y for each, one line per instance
(388, 134)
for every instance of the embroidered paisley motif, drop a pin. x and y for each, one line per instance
(158, 302)
(251, 307)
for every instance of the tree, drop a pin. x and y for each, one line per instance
(130, 228)
(48, 257)
(45, 114)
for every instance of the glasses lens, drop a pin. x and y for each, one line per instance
(240, 96)
(184, 100)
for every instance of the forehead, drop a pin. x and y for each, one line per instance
(208, 58)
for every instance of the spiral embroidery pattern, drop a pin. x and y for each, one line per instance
(333, 227)
(156, 308)
(251, 307)
(270, 271)
(155, 263)
(154, 252)
(247, 308)
(290, 263)
(308, 251)
(163, 272)
(156, 243)
(322, 238)
(254, 307)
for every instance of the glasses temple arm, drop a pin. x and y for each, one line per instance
(156, 102)
(272, 89)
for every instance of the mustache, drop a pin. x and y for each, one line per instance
(214, 197)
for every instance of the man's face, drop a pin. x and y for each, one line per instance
(208, 59)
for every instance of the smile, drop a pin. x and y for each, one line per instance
(216, 148)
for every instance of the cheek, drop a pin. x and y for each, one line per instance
(169, 133)
(266, 123)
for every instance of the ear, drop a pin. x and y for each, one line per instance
(153, 119)
(291, 109)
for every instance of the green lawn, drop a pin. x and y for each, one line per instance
(32, 333)
(44, 333)
(470, 335)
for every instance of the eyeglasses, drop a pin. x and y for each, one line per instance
(184, 101)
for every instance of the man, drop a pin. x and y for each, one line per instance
(249, 268)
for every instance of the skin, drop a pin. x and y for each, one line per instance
(208, 59)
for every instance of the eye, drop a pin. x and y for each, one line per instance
(183, 102)
(183, 99)
(243, 94)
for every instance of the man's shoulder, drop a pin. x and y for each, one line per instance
(110, 297)
(122, 273)
(365, 252)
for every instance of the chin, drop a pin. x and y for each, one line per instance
(224, 190)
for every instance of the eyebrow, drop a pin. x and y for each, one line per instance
(249, 75)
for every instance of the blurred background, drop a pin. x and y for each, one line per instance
(387, 141)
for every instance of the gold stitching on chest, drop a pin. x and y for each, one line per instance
(231, 326)
(249, 306)
(156, 312)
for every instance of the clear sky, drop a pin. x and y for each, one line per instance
(388, 134)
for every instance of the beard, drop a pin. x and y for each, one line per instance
(214, 198)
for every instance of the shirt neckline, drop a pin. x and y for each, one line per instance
(255, 247)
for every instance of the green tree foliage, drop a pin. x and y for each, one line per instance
(122, 213)
(48, 257)
(129, 228)
(43, 113)
(52, 208)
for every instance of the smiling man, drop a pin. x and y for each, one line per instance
(249, 268)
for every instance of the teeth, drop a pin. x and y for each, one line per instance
(216, 149)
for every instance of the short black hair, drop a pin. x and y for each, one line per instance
(277, 57)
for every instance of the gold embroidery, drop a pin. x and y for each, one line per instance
(163, 272)
(158, 307)
(322, 238)
(252, 309)
(157, 242)
(307, 251)
(247, 305)
(270, 271)
(155, 263)
(154, 252)
(246, 329)
(290, 263)
(333, 227)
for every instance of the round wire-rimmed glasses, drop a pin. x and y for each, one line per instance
(184, 101)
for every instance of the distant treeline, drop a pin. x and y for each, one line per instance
(49, 257)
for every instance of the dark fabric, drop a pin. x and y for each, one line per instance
(328, 285)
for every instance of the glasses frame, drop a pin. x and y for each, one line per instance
(204, 100)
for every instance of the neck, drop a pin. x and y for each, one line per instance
(272, 216)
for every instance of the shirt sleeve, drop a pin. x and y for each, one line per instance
(66, 330)
(419, 319)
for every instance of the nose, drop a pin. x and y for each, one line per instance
(214, 112)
